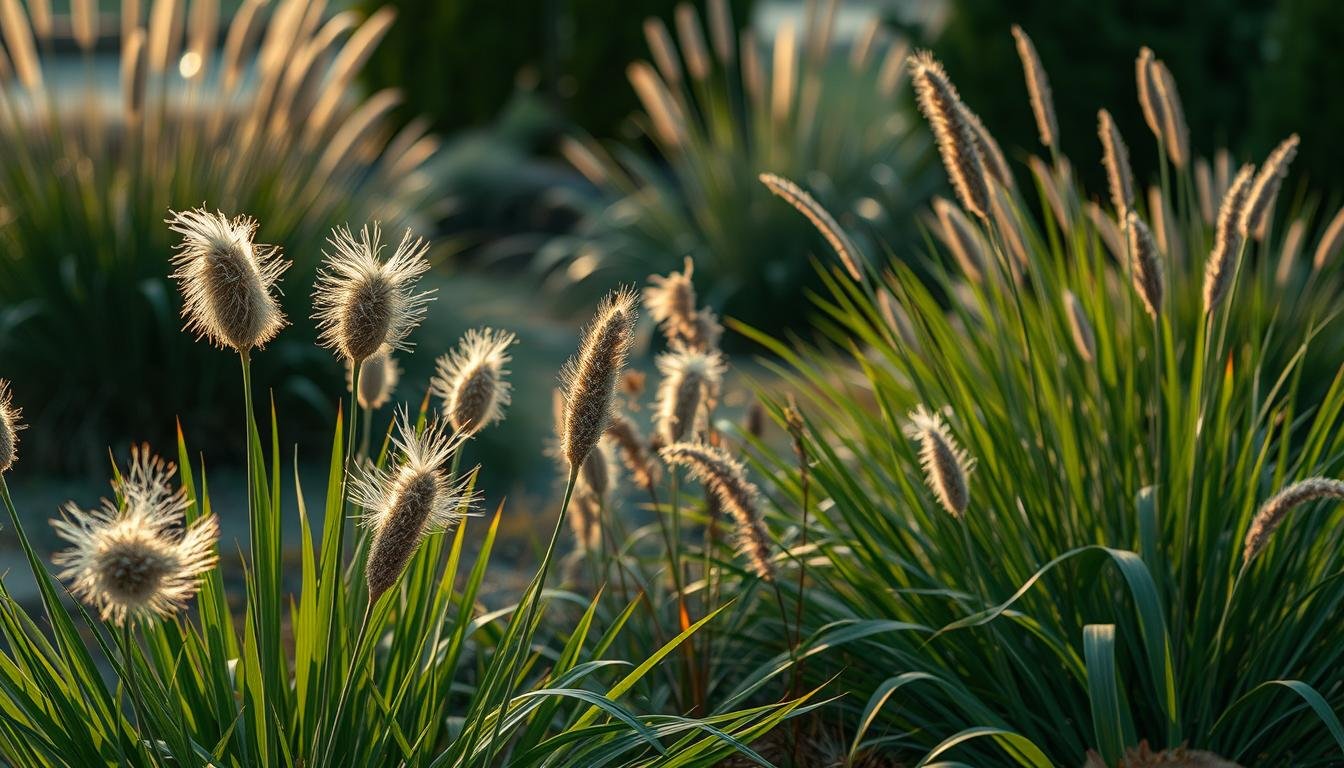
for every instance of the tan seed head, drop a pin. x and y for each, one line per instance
(588, 381)
(957, 144)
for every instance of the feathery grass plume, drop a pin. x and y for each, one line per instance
(946, 465)
(1227, 239)
(797, 197)
(1115, 158)
(1146, 265)
(1110, 234)
(1273, 511)
(408, 500)
(1289, 250)
(588, 380)
(727, 480)
(137, 560)
(470, 380)
(670, 300)
(1330, 241)
(1149, 100)
(960, 237)
(634, 454)
(1176, 131)
(1038, 88)
(9, 428)
(990, 151)
(689, 377)
(942, 107)
(708, 330)
(1049, 184)
(226, 280)
(362, 302)
(1204, 190)
(1083, 337)
(1258, 210)
(378, 377)
(1168, 236)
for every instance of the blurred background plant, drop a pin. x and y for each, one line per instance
(254, 115)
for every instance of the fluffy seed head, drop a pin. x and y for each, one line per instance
(588, 380)
(946, 466)
(996, 164)
(471, 380)
(378, 377)
(634, 454)
(1259, 207)
(1115, 157)
(226, 280)
(1227, 240)
(689, 379)
(727, 480)
(1083, 337)
(136, 560)
(408, 500)
(9, 428)
(1146, 265)
(1038, 88)
(942, 107)
(1174, 128)
(362, 302)
(820, 218)
(1149, 100)
(670, 300)
(1273, 512)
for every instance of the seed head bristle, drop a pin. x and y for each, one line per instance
(9, 428)
(689, 379)
(727, 479)
(588, 381)
(226, 280)
(1227, 239)
(820, 218)
(409, 499)
(1273, 512)
(670, 300)
(946, 466)
(1258, 209)
(1146, 265)
(1149, 100)
(1009, 227)
(1175, 130)
(1083, 337)
(1115, 158)
(1038, 88)
(1330, 241)
(378, 377)
(942, 107)
(471, 380)
(961, 239)
(634, 454)
(137, 560)
(996, 164)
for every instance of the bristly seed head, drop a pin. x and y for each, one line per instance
(588, 380)
(670, 301)
(471, 380)
(136, 560)
(819, 217)
(961, 239)
(1227, 240)
(727, 479)
(361, 302)
(643, 469)
(946, 466)
(226, 280)
(1146, 265)
(1149, 100)
(1115, 157)
(9, 428)
(689, 379)
(1175, 130)
(1258, 209)
(1038, 88)
(1273, 512)
(942, 107)
(378, 377)
(408, 500)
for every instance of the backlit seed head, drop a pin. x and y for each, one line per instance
(9, 428)
(727, 480)
(136, 560)
(1175, 131)
(1273, 512)
(471, 380)
(633, 451)
(689, 380)
(408, 500)
(1227, 241)
(670, 300)
(957, 143)
(226, 280)
(1038, 88)
(961, 239)
(361, 302)
(1146, 265)
(1149, 100)
(1258, 209)
(1083, 338)
(1115, 158)
(588, 380)
(819, 217)
(378, 377)
(946, 466)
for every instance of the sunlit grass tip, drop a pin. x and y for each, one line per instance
(1146, 265)
(1227, 239)
(1038, 88)
(1258, 210)
(727, 479)
(472, 380)
(957, 144)
(1115, 158)
(947, 467)
(588, 380)
(1273, 512)
(10, 426)
(821, 218)
(690, 377)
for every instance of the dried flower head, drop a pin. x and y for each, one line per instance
(942, 107)
(378, 377)
(670, 301)
(408, 500)
(470, 380)
(634, 454)
(1259, 207)
(1079, 327)
(1273, 512)
(362, 302)
(1227, 240)
(9, 428)
(961, 239)
(1149, 100)
(226, 280)
(727, 479)
(946, 466)
(1145, 264)
(588, 380)
(136, 560)
(820, 218)
(1115, 157)
(1038, 88)
(689, 378)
